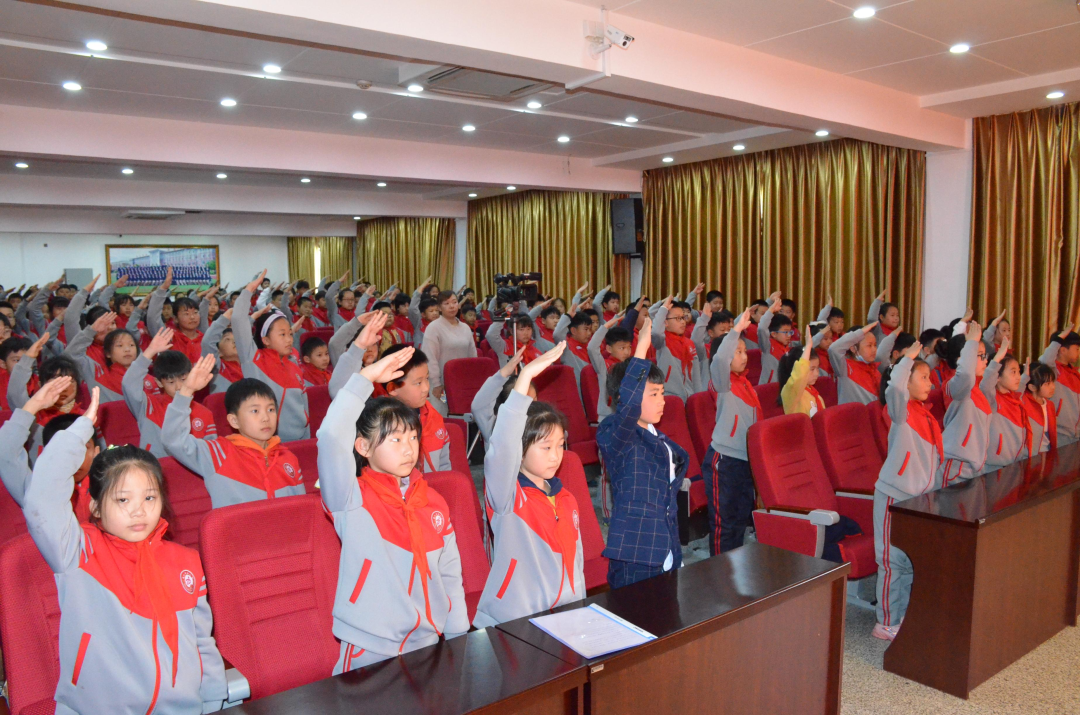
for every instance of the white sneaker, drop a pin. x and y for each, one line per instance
(885, 633)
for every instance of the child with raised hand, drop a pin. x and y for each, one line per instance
(493, 393)
(11, 351)
(855, 366)
(220, 343)
(249, 465)
(1011, 437)
(619, 342)
(315, 356)
(676, 355)
(66, 404)
(169, 369)
(885, 317)
(135, 626)
(1061, 355)
(729, 486)
(775, 332)
(73, 314)
(395, 530)
(998, 331)
(413, 389)
(118, 349)
(268, 356)
(913, 466)
(523, 326)
(538, 560)
(1039, 407)
(798, 373)
(967, 405)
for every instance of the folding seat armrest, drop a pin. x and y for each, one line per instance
(794, 528)
(855, 493)
(238, 688)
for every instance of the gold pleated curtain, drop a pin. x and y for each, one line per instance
(405, 251)
(336, 256)
(842, 217)
(1025, 222)
(566, 235)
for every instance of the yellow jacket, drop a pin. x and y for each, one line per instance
(795, 395)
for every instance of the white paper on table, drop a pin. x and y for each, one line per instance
(592, 631)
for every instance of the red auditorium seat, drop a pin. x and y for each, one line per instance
(459, 449)
(12, 521)
(459, 491)
(463, 378)
(675, 426)
(318, 402)
(590, 393)
(701, 419)
(5, 415)
(846, 444)
(572, 475)
(557, 386)
(876, 417)
(753, 365)
(936, 403)
(271, 572)
(307, 453)
(768, 394)
(215, 402)
(797, 496)
(324, 333)
(118, 426)
(189, 500)
(826, 387)
(484, 350)
(29, 628)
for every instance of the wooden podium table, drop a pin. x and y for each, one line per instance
(756, 630)
(997, 566)
(485, 671)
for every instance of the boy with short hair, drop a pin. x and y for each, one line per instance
(757, 309)
(11, 351)
(250, 465)
(315, 362)
(606, 303)
(187, 338)
(220, 343)
(676, 355)
(413, 389)
(619, 342)
(170, 370)
(715, 300)
(775, 333)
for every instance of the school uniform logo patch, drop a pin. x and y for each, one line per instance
(438, 521)
(289, 470)
(197, 424)
(187, 580)
(577, 525)
(442, 434)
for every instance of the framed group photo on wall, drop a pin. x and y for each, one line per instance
(147, 266)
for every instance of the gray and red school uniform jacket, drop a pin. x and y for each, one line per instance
(236, 469)
(434, 440)
(191, 347)
(677, 358)
(149, 410)
(394, 595)
(280, 373)
(913, 464)
(538, 562)
(967, 416)
(576, 355)
(874, 314)
(505, 349)
(15, 463)
(483, 404)
(601, 365)
(737, 404)
(228, 371)
(93, 369)
(123, 648)
(1066, 398)
(856, 380)
(771, 350)
(1043, 424)
(1011, 436)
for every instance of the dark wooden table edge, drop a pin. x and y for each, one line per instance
(996, 516)
(579, 677)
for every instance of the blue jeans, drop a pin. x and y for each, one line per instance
(624, 573)
(729, 489)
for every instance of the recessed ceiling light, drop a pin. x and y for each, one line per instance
(228, 102)
(960, 48)
(305, 180)
(472, 196)
(381, 184)
(355, 218)
(127, 171)
(822, 133)
(631, 120)
(71, 86)
(668, 159)
(223, 176)
(563, 139)
(468, 128)
(415, 88)
(511, 188)
(22, 165)
(96, 46)
(271, 69)
(359, 115)
(534, 105)
(739, 147)
(1055, 95)
(864, 12)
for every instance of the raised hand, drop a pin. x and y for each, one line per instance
(261, 312)
(105, 322)
(168, 279)
(372, 332)
(573, 309)
(35, 350)
(47, 395)
(808, 343)
(644, 339)
(228, 314)
(1066, 331)
(869, 328)
(881, 295)
(640, 304)
(537, 366)
(668, 301)
(698, 289)
(974, 331)
(160, 343)
(250, 287)
(743, 322)
(584, 287)
(121, 282)
(913, 352)
(1002, 350)
(967, 315)
(298, 324)
(202, 372)
(706, 310)
(775, 296)
(144, 302)
(95, 400)
(828, 300)
(776, 304)
(511, 365)
(89, 287)
(388, 368)
(344, 276)
(998, 319)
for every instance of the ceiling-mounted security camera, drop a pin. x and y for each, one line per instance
(363, 84)
(617, 37)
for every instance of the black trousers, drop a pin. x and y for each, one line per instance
(729, 488)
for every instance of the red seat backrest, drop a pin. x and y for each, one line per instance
(29, 627)
(324, 333)
(117, 424)
(876, 417)
(845, 442)
(753, 365)
(318, 402)
(271, 573)
(590, 393)
(215, 402)
(768, 395)
(459, 448)
(675, 426)
(463, 378)
(459, 491)
(785, 463)
(556, 385)
(5, 415)
(572, 474)
(701, 420)
(936, 403)
(307, 453)
(189, 500)
(826, 387)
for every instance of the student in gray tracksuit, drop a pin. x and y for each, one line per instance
(967, 414)
(1059, 355)
(115, 651)
(529, 515)
(681, 379)
(14, 462)
(379, 612)
(211, 338)
(857, 379)
(89, 369)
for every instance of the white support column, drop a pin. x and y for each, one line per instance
(461, 229)
(946, 252)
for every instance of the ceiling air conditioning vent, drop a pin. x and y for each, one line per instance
(474, 84)
(152, 214)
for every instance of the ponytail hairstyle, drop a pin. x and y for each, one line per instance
(110, 466)
(886, 376)
(542, 418)
(953, 347)
(381, 418)
(110, 342)
(787, 364)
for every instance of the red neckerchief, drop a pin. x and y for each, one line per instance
(1068, 376)
(346, 314)
(925, 425)
(61, 335)
(777, 350)
(111, 377)
(1035, 411)
(282, 370)
(96, 352)
(230, 370)
(864, 374)
(530, 354)
(608, 315)
(977, 397)
(272, 469)
(823, 360)
(80, 500)
(44, 416)
(544, 332)
(650, 354)
(402, 323)
(121, 320)
(886, 329)
(424, 322)
(320, 315)
(741, 388)
(580, 350)
(314, 375)
(941, 374)
(308, 324)
(433, 432)
(191, 347)
(1011, 408)
(751, 333)
(202, 419)
(682, 349)
(5, 378)
(559, 533)
(817, 396)
(611, 362)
